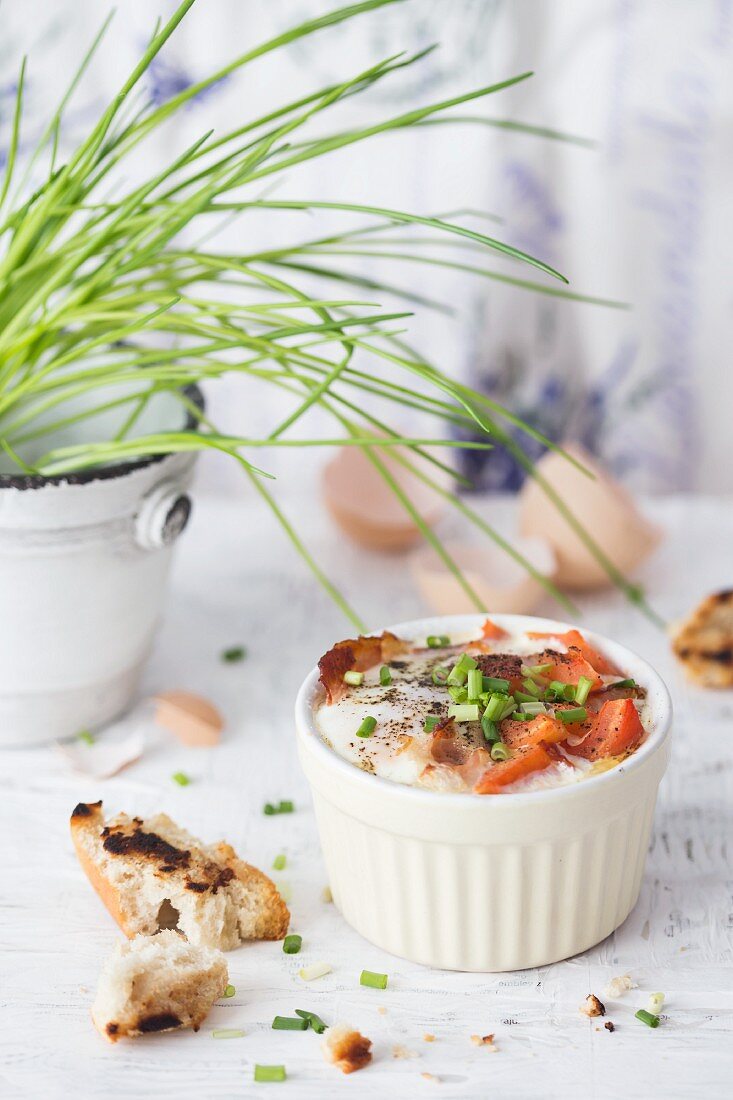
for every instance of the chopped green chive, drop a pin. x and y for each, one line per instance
(496, 707)
(467, 662)
(573, 714)
(647, 1018)
(475, 684)
(315, 1021)
(270, 1073)
(458, 694)
(534, 708)
(282, 807)
(536, 670)
(227, 1033)
(385, 676)
(229, 991)
(85, 736)
(437, 641)
(278, 863)
(582, 691)
(520, 716)
(374, 981)
(623, 684)
(522, 697)
(499, 752)
(440, 675)
(181, 779)
(531, 688)
(289, 1023)
(490, 729)
(457, 677)
(464, 712)
(233, 654)
(368, 726)
(495, 683)
(292, 944)
(557, 689)
(431, 721)
(355, 679)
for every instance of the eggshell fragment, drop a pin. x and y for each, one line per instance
(499, 582)
(366, 509)
(103, 758)
(600, 504)
(191, 718)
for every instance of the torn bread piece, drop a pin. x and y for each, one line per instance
(151, 875)
(346, 1048)
(157, 983)
(703, 643)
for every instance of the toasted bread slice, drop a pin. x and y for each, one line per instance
(152, 874)
(703, 643)
(157, 983)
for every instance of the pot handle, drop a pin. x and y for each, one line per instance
(163, 515)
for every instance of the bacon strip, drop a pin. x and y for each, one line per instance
(358, 654)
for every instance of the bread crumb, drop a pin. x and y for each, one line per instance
(428, 1038)
(326, 895)
(591, 1006)
(618, 986)
(430, 1077)
(382, 1010)
(483, 1041)
(400, 1051)
(346, 1048)
(609, 1025)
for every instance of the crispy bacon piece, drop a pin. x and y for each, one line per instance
(359, 654)
(575, 639)
(491, 631)
(456, 753)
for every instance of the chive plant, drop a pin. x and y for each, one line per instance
(103, 307)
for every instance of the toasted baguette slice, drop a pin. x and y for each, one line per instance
(152, 874)
(703, 643)
(346, 1048)
(157, 983)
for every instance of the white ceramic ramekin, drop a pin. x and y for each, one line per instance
(487, 882)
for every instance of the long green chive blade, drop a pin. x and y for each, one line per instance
(495, 683)
(647, 1018)
(315, 1021)
(385, 676)
(368, 726)
(289, 1023)
(355, 679)
(292, 944)
(278, 863)
(437, 641)
(374, 981)
(234, 654)
(270, 1073)
(573, 714)
(464, 712)
(499, 752)
(582, 690)
(431, 721)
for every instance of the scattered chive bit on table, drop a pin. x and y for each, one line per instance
(227, 1033)
(656, 1002)
(374, 981)
(230, 991)
(647, 1018)
(279, 862)
(270, 1073)
(315, 1022)
(181, 779)
(290, 1023)
(285, 806)
(315, 970)
(233, 654)
(292, 944)
(85, 736)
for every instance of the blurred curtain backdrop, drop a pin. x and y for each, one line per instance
(644, 216)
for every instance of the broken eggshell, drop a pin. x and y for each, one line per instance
(600, 504)
(500, 582)
(191, 718)
(366, 509)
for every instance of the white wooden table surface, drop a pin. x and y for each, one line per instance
(235, 581)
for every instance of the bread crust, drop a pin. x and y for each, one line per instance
(85, 818)
(703, 643)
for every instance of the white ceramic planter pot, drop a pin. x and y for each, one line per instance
(480, 882)
(83, 566)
